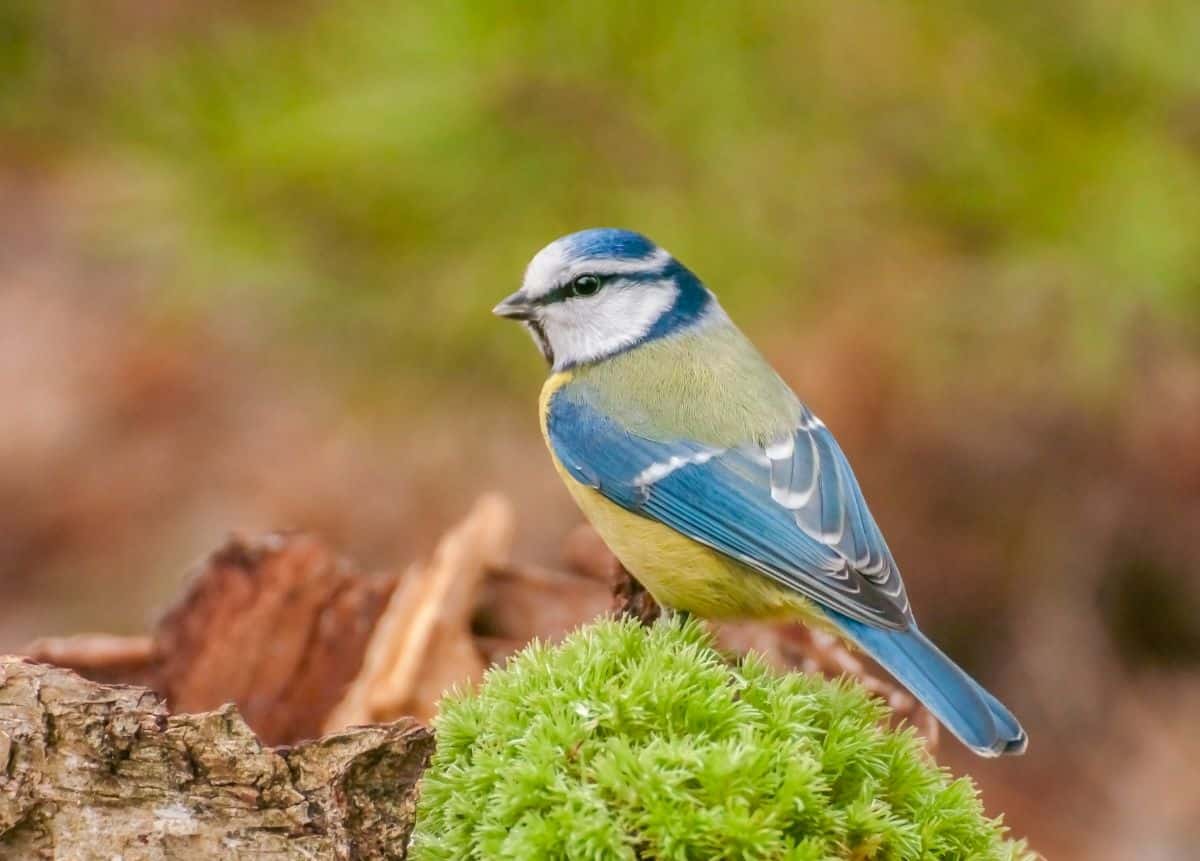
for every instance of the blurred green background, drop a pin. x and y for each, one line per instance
(247, 252)
(353, 160)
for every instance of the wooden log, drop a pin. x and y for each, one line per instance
(422, 643)
(92, 771)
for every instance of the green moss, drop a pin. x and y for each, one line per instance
(628, 743)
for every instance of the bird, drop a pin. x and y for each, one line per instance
(708, 478)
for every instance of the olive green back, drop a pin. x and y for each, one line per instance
(710, 385)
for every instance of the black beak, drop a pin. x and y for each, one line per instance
(515, 307)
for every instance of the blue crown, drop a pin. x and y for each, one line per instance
(609, 242)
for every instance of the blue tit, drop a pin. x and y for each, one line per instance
(708, 478)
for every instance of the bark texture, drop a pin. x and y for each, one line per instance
(104, 771)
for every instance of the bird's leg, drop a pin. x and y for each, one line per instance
(632, 598)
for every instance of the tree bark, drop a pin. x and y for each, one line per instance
(104, 771)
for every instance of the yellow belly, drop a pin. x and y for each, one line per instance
(680, 573)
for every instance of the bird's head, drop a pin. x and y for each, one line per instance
(594, 294)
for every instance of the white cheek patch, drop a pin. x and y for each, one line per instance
(588, 328)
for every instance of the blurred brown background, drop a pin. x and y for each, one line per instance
(247, 253)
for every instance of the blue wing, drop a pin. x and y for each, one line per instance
(791, 509)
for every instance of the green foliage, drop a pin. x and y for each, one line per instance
(363, 160)
(628, 743)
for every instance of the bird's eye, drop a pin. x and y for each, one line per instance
(585, 285)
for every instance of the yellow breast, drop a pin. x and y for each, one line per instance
(679, 572)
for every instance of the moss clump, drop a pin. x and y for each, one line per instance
(628, 743)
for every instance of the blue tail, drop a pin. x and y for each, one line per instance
(976, 717)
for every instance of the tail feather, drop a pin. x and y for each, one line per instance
(1006, 722)
(973, 715)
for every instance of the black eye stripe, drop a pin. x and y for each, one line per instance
(571, 288)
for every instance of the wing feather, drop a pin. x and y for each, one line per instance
(791, 510)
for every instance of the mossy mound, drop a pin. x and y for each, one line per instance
(630, 743)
